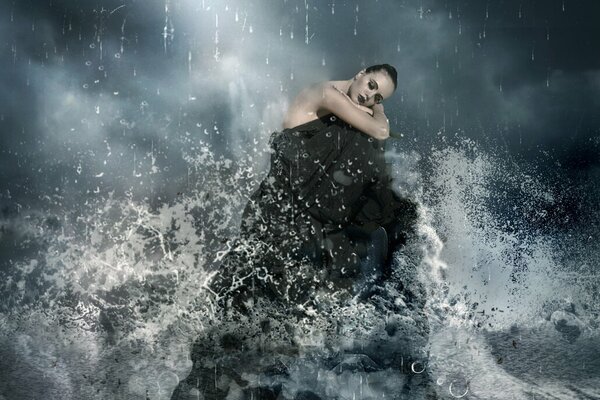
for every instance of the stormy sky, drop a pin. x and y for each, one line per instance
(107, 101)
(106, 96)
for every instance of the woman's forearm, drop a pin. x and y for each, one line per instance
(338, 103)
(380, 117)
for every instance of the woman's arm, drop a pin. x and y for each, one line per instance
(340, 104)
(360, 107)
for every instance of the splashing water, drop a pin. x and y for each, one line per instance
(122, 286)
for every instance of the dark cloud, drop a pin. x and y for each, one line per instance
(139, 79)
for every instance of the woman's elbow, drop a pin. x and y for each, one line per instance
(380, 133)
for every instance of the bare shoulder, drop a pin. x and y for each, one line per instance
(317, 91)
(313, 93)
(306, 105)
(314, 101)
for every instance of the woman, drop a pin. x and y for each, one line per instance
(310, 223)
(364, 92)
(304, 237)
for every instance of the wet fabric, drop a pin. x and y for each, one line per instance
(289, 311)
(313, 217)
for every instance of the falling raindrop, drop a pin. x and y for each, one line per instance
(356, 20)
(306, 23)
(217, 52)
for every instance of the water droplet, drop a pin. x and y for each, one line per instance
(458, 393)
(417, 368)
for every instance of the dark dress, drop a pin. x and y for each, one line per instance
(310, 223)
(305, 234)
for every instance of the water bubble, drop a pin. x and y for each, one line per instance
(458, 391)
(85, 86)
(88, 63)
(167, 381)
(92, 46)
(417, 368)
(101, 68)
(117, 55)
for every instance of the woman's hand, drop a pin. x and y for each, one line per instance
(378, 108)
(365, 109)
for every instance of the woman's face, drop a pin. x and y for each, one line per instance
(372, 88)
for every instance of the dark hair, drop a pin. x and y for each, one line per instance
(391, 71)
